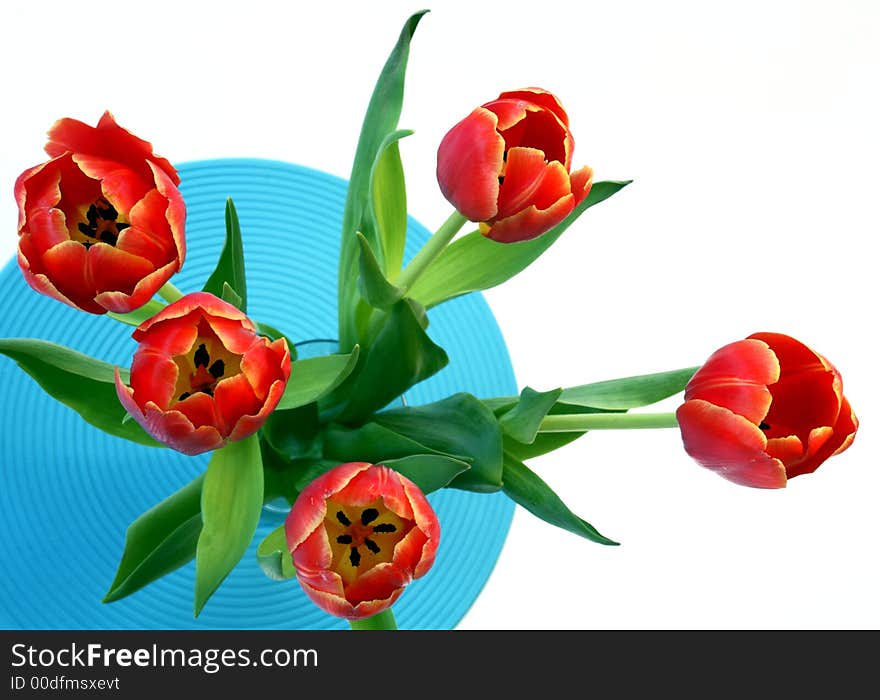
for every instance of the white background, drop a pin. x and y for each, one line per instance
(750, 130)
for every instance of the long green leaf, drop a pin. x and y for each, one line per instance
(380, 120)
(232, 498)
(139, 315)
(79, 381)
(388, 188)
(401, 356)
(474, 262)
(314, 377)
(274, 557)
(456, 425)
(548, 442)
(629, 392)
(230, 265)
(373, 443)
(532, 493)
(428, 472)
(160, 541)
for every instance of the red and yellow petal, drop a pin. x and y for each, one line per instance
(540, 97)
(144, 290)
(728, 444)
(524, 124)
(531, 180)
(469, 162)
(234, 398)
(581, 183)
(42, 284)
(249, 424)
(153, 377)
(530, 222)
(264, 363)
(121, 186)
(380, 583)
(67, 266)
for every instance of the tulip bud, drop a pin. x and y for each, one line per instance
(765, 409)
(508, 166)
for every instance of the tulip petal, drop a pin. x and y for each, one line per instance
(265, 362)
(540, 97)
(113, 270)
(530, 222)
(199, 302)
(42, 284)
(581, 183)
(235, 398)
(153, 377)
(378, 584)
(46, 228)
(728, 444)
(66, 265)
(528, 125)
(119, 185)
(144, 290)
(531, 180)
(469, 161)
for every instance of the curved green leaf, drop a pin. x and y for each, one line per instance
(629, 392)
(372, 443)
(314, 377)
(159, 541)
(401, 356)
(380, 120)
(274, 557)
(532, 493)
(139, 315)
(428, 472)
(457, 425)
(79, 381)
(232, 499)
(523, 420)
(377, 291)
(230, 265)
(388, 187)
(474, 262)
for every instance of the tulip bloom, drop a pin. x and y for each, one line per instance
(358, 535)
(201, 376)
(508, 165)
(765, 409)
(100, 225)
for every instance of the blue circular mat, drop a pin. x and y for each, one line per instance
(70, 491)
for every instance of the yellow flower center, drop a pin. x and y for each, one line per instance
(102, 224)
(361, 537)
(205, 364)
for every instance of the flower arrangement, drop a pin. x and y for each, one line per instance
(102, 228)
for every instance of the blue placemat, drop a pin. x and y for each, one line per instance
(70, 491)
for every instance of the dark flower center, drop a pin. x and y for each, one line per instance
(207, 363)
(102, 224)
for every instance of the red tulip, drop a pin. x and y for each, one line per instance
(201, 376)
(508, 165)
(100, 224)
(765, 409)
(358, 535)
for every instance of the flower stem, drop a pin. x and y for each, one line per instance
(576, 423)
(170, 293)
(429, 252)
(380, 621)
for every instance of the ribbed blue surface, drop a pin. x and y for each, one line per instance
(70, 491)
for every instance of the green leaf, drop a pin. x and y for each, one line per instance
(139, 315)
(232, 498)
(429, 472)
(79, 381)
(524, 419)
(548, 442)
(377, 291)
(274, 334)
(401, 356)
(230, 266)
(274, 557)
(629, 392)
(160, 541)
(474, 262)
(296, 432)
(532, 493)
(457, 425)
(380, 120)
(312, 378)
(389, 210)
(372, 443)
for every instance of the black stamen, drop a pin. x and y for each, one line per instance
(201, 356)
(369, 515)
(372, 546)
(122, 227)
(342, 518)
(109, 237)
(764, 426)
(108, 214)
(354, 557)
(87, 244)
(85, 230)
(216, 370)
(504, 156)
(92, 215)
(184, 395)
(207, 390)
(501, 179)
(344, 539)
(384, 527)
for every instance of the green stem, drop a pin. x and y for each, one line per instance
(576, 423)
(429, 252)
(170, 293)
(380, 621)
